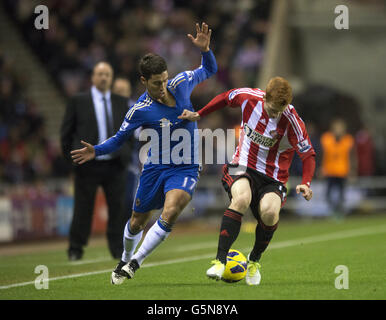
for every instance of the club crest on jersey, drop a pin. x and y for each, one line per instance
(165, 123)
(304, 146)
(258, 138)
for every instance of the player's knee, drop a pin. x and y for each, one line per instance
(269, 215)
(241, 202)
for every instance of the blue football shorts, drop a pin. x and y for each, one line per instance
(155, 182)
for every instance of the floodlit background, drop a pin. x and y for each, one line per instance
(334, 73)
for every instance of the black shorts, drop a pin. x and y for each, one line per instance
(260, 185)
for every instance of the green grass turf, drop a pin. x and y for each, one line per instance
(299, 270)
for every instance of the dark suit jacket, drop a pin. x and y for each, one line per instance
(80, 123)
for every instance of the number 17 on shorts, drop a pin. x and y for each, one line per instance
(189, 183)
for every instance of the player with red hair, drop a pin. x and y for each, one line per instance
(271, 132)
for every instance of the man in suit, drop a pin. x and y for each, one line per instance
(95, 116)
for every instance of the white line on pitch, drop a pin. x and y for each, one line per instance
(277, 245)
(329, 236)
(147, 265)
(282, 244)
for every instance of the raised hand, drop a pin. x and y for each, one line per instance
(83, 155)
(202, 39)
(189, 115)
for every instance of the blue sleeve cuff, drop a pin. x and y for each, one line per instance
(97, 151)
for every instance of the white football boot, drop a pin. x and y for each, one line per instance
(216, 271)
(253, 276)
(129, 269)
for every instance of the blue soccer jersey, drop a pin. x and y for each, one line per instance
(173, 155)
(173, 141)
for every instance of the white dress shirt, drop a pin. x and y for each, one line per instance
(97, 97)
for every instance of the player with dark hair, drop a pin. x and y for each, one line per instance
(271, 132)
(164, 184)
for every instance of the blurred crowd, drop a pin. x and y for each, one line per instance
(81, 33)
(26, 154)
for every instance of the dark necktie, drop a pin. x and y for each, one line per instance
(109, 125)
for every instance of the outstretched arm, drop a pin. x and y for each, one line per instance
(89, 152)
(216, 103)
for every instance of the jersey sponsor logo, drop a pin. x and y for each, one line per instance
(258, 138)
(165, 123)
(303, 146)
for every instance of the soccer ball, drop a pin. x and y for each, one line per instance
(236, 267)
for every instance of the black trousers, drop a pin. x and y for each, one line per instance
(335, 192)
(111, 176)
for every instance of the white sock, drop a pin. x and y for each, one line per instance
(156, 234)
(130, 242)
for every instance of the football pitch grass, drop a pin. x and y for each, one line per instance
(300, 263)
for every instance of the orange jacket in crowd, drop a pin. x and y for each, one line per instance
(336, 155)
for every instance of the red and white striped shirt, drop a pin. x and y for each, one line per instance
(267, 145)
